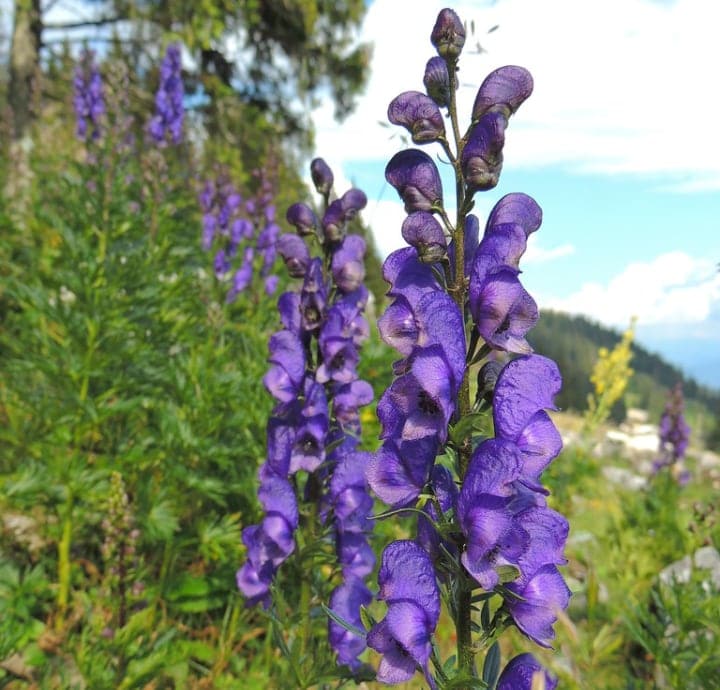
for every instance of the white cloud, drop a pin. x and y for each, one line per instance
(536, 254)
(621, 86)
(673, 288)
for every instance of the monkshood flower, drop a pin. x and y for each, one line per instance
(244, 230)
(674, 433)
(407, 585)
(470, 466)
(313, 432)
(88, 98)
(520, 672)
(167, 123)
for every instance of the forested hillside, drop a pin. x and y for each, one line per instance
(573, 342)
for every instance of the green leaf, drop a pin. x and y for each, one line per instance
(491, 667)
(342, 622)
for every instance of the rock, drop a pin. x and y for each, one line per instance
(679, 571)
(628, 479)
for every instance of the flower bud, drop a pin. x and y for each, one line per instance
(416, 179)
(482, 156)
(353, 201)
(419, 114)
(302, 217)
(333, 222)
(448, 34)
(294, 253)
(503, 90)
(487, 378)
(322, 176)
(437, 81)
(422, 231)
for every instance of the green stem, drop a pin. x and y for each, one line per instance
(458, 292)
(63, 595)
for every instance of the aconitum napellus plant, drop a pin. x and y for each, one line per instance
(88, 97)
(312, 484)
(487, 543)
(167, 123)
(243, 233)
(674, 434)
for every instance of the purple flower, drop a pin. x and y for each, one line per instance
(520, 672)
(322, 176)
(448, 34)
(419, 114)
(416, 179)
(673, 429)
(88, 97)
(542, 595)
(422, 231)
(243, 276)
(403, 636)
(525, 388)
(482, 156)
(352, 202)
(345, 602)
(503, 311)
(399, 471)
(517, 208)
(284, 379)
(485, 511)
(503, 90)
(295, 254)
(303, 218)
(420, 402)
(437, 81)
(348, 266)
(169, 112)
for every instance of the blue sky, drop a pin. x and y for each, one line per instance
(619, 144)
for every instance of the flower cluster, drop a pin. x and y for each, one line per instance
(495, 532)
(674, 433)
(243, 228)
(88, 98)
(315, 425)
(167, 124)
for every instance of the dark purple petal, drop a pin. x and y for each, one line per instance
(544, 595)
(408, 276)
(398, 472)
(345, 602)
(397, 326)
(289, 308)
(333, 221)
(504, 89)
(254, 585)
(352, 202)
(518, 209)
(482, 156)
(504, 312)
(422, 231)
(295, 254)
(448, 34)
(437, 81)
(400, 558)
(525, 386)
(416, 178)
(396, 665)
(520, 672)
(303, 218)
(419, 114)
(347, 265)
(322, 176)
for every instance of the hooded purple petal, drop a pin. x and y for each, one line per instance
(419, 114)
(416, 178)
(505, 89)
